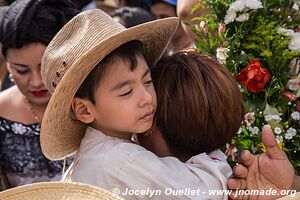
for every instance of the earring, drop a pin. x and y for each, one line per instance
(11, 78)
(150, 131)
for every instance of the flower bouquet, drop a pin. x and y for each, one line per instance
(259, 42)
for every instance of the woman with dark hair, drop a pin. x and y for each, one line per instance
(200, 107)
(131, 16)
(26, 28)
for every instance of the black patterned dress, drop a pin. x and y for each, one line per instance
(21, 158)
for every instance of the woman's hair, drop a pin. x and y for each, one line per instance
(145, 4)
(3, 71)
(200, 106)
(28, 21)
(132, 16)
(127, 52)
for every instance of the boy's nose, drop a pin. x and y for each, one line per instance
(146, 98)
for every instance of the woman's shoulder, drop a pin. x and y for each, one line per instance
(8, 96)
(9, 101)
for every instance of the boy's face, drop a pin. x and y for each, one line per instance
(125, 100)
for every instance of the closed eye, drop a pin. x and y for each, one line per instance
(125, 94)
(22, 71)
(147, 83)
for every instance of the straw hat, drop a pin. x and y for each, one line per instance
(78, 47)
(57, 191)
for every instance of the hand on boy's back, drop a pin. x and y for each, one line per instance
(262, 172)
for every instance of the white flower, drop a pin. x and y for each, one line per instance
(277, 130)
(202, 24)
(249, 118)
(19, 128)
(295, 38)
(231, 147)
(230, 16)
(242, 17)
(222, 55)
(254, 130)
(237, 6)
(241, 88)
(288, 136)
(286, 32)
(241, 6)
(294, 84)
(295, 115)
(295, 42)
(268, 117)
(291, 131)
(276, 117)
(295, 6)
(240, 131)
(279, 138)
(253, 4)
(295, 68)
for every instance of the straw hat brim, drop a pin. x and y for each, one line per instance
(57, 191)
(60, 134)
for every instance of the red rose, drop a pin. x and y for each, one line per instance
(254, 77)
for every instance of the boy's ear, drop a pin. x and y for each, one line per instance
(81, 109)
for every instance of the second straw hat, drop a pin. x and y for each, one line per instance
(57, 191)
(78, 47)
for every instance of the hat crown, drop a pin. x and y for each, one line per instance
(84, 32)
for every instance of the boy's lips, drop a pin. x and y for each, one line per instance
(39, 93)
(148, 116)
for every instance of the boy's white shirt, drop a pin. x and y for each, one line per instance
(119, 165)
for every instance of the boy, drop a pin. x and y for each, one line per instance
(114, 95)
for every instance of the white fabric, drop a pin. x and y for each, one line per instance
(113, 163)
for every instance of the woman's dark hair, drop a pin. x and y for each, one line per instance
(79, 4)
(200, 106)
(145, 4)
(28, 21)
(132, 16)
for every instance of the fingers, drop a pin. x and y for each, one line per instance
(236, 183)
(246, 158)
(239, 171)
(270, 143)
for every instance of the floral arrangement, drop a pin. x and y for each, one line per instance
(259, 42)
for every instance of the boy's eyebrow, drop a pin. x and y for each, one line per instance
(122, 84)
(147, 71)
